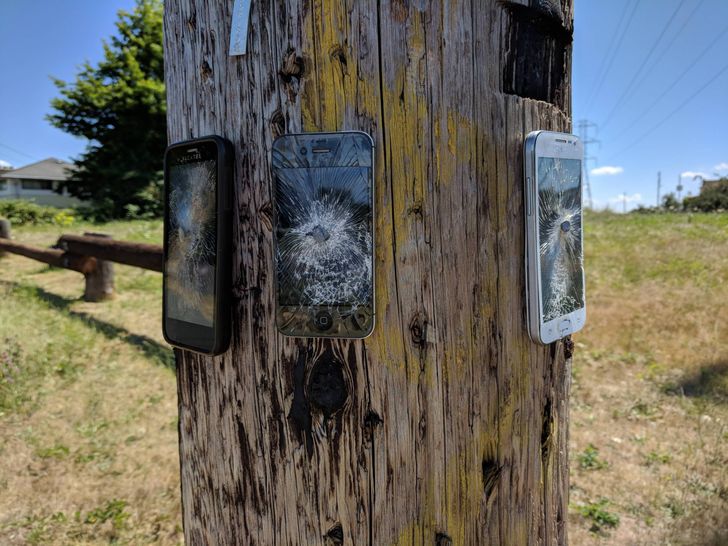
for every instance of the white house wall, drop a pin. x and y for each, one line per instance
(14, 190)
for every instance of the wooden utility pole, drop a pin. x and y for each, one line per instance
(447, 425)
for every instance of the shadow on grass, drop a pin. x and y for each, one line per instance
(709, 382)
(161, 354)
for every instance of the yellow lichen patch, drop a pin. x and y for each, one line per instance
(451, 510)
(329, 87)
(335, 95)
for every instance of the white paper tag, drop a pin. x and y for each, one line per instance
(239, 28)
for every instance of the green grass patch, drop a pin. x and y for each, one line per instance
(589, 459)
(598, 515)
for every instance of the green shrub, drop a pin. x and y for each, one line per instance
(21, 213)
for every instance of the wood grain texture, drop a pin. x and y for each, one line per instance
(447, 425)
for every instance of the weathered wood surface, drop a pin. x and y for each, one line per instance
(51, 256)
(5, 232)
(447, 425)
(99, 282)
(124, 252)
(98, 274)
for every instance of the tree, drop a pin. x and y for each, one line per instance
(712, 198)
(670, 202)
(119, 106)
(447, 426)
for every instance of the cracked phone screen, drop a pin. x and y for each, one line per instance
(191, 244)
(560, 232)
(324, 225)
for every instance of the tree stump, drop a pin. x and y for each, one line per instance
(447, 425)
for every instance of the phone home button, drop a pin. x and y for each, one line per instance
(323, 321)
(565, 327)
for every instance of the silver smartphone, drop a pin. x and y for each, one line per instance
(324, 234)
(555, 282)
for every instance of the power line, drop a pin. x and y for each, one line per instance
(18, 151)
(613, 55)
(609, 50)
(677, 80)
(644, 62)
(675, 111)
(669, 45)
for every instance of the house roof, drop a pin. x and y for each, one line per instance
(48, 169)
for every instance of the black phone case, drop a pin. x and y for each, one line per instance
(223, 264)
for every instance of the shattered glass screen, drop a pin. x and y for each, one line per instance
(560, 248)
(192, 241)
(324, 236)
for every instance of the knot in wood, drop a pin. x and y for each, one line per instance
(441, 539)
(491, 475)
(334, 536)
(278, 124)
(326, 387)
(418, 330)
(371, 421)
(293, 67)
(338, 54)
(205, 71)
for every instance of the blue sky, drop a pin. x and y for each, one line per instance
(682, 132)
(40, 39)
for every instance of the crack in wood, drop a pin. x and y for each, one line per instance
(299, 416)
(568, 347)
(546, 430)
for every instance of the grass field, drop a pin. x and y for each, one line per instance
(88, 415)
(88, 439)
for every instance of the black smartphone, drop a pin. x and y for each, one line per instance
(197, 253)
(324, 234)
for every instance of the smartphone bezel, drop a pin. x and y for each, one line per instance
(313, 332)
(546, 144)
(187, 335)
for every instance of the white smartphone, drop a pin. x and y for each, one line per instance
(555, 283)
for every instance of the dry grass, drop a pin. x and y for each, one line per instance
(89, 420)
(651, 383)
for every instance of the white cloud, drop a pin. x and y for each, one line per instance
(4, 164)
(634, 198)
(606, 171)
(693, 174)
(721, 167)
